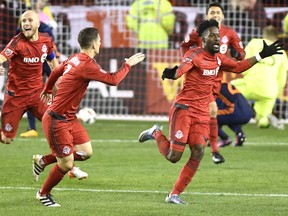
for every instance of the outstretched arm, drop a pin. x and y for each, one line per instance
(238, 67)
(95, 72)
(135, 59)
(170, 73)
(273, 49)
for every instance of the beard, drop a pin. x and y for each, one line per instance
(29, 34)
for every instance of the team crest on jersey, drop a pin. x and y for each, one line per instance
(44, 48)
(8, 52)
(224, 39)
(223, 48)
(179, 134)
(8, 127)
(186, 60)
(66, 150)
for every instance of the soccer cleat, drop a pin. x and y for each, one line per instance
(240, 139)
(46, 200)
(148, 134)
(217, 158)
(174, 198)
(30, 133)
(224, 142)
(37, 167)
(275, 122)
(77, 173)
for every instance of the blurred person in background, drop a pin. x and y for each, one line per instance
(264, 82)
(255, 11)
(229, 40)
(153, 21)
(233, 111)
(285, 24)
(46, 16)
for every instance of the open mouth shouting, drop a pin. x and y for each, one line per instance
(216, 47)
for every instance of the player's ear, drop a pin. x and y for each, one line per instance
(204, 39)
(94, 45)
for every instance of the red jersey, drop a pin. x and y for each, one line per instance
(201, 70)
(26, 61)
(228, 38)
(77, 72)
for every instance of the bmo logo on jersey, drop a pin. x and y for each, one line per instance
(211, 72)
(35, 59)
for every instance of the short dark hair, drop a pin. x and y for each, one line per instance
(205, 25)
(214, 4)
(87, 36)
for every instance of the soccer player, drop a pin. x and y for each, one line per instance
(266, 81)
(61, 127)
(26, 52)
(32, 132)
(233, 111)
(189, 118)
(228, 40)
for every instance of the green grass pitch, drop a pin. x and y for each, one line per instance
(131, 178)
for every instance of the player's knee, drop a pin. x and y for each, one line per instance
(174, 156)
(213, 114)
(85, 155)
(174, 159)
(66, 163)
(197, 151)
(5, 139)
(213, 109)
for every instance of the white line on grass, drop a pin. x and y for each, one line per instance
(136, 141)
(143, 191)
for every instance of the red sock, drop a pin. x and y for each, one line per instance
(186, 175)
(55, 176)
(49, 159)
(214, 135)
(162, 142)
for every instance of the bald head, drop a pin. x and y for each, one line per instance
(30, 13)
(270, 33)
(30, 22)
